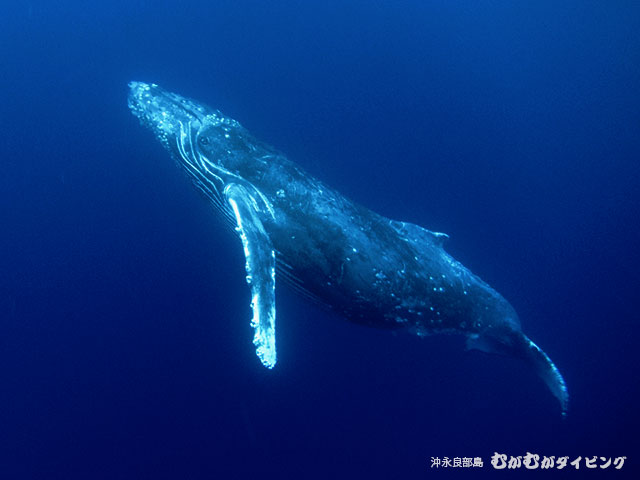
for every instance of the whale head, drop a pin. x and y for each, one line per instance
(211, 147)
(166, 114)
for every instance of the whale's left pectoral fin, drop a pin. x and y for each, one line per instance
(260, 265)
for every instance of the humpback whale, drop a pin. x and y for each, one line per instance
(367, 268)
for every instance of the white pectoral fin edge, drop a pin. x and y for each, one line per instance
(261, 269)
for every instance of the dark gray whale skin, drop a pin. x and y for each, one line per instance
(369, 269)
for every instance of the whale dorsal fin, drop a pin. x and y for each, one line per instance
(417, 234)
(261, 268)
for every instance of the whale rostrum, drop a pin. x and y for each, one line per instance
(367, 268)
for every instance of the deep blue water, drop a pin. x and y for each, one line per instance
(125, 345)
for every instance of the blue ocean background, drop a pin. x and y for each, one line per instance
(125, 345)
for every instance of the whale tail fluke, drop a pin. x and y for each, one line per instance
(547, 371)
(519, 345)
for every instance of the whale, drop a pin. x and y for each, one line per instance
(297, 230)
